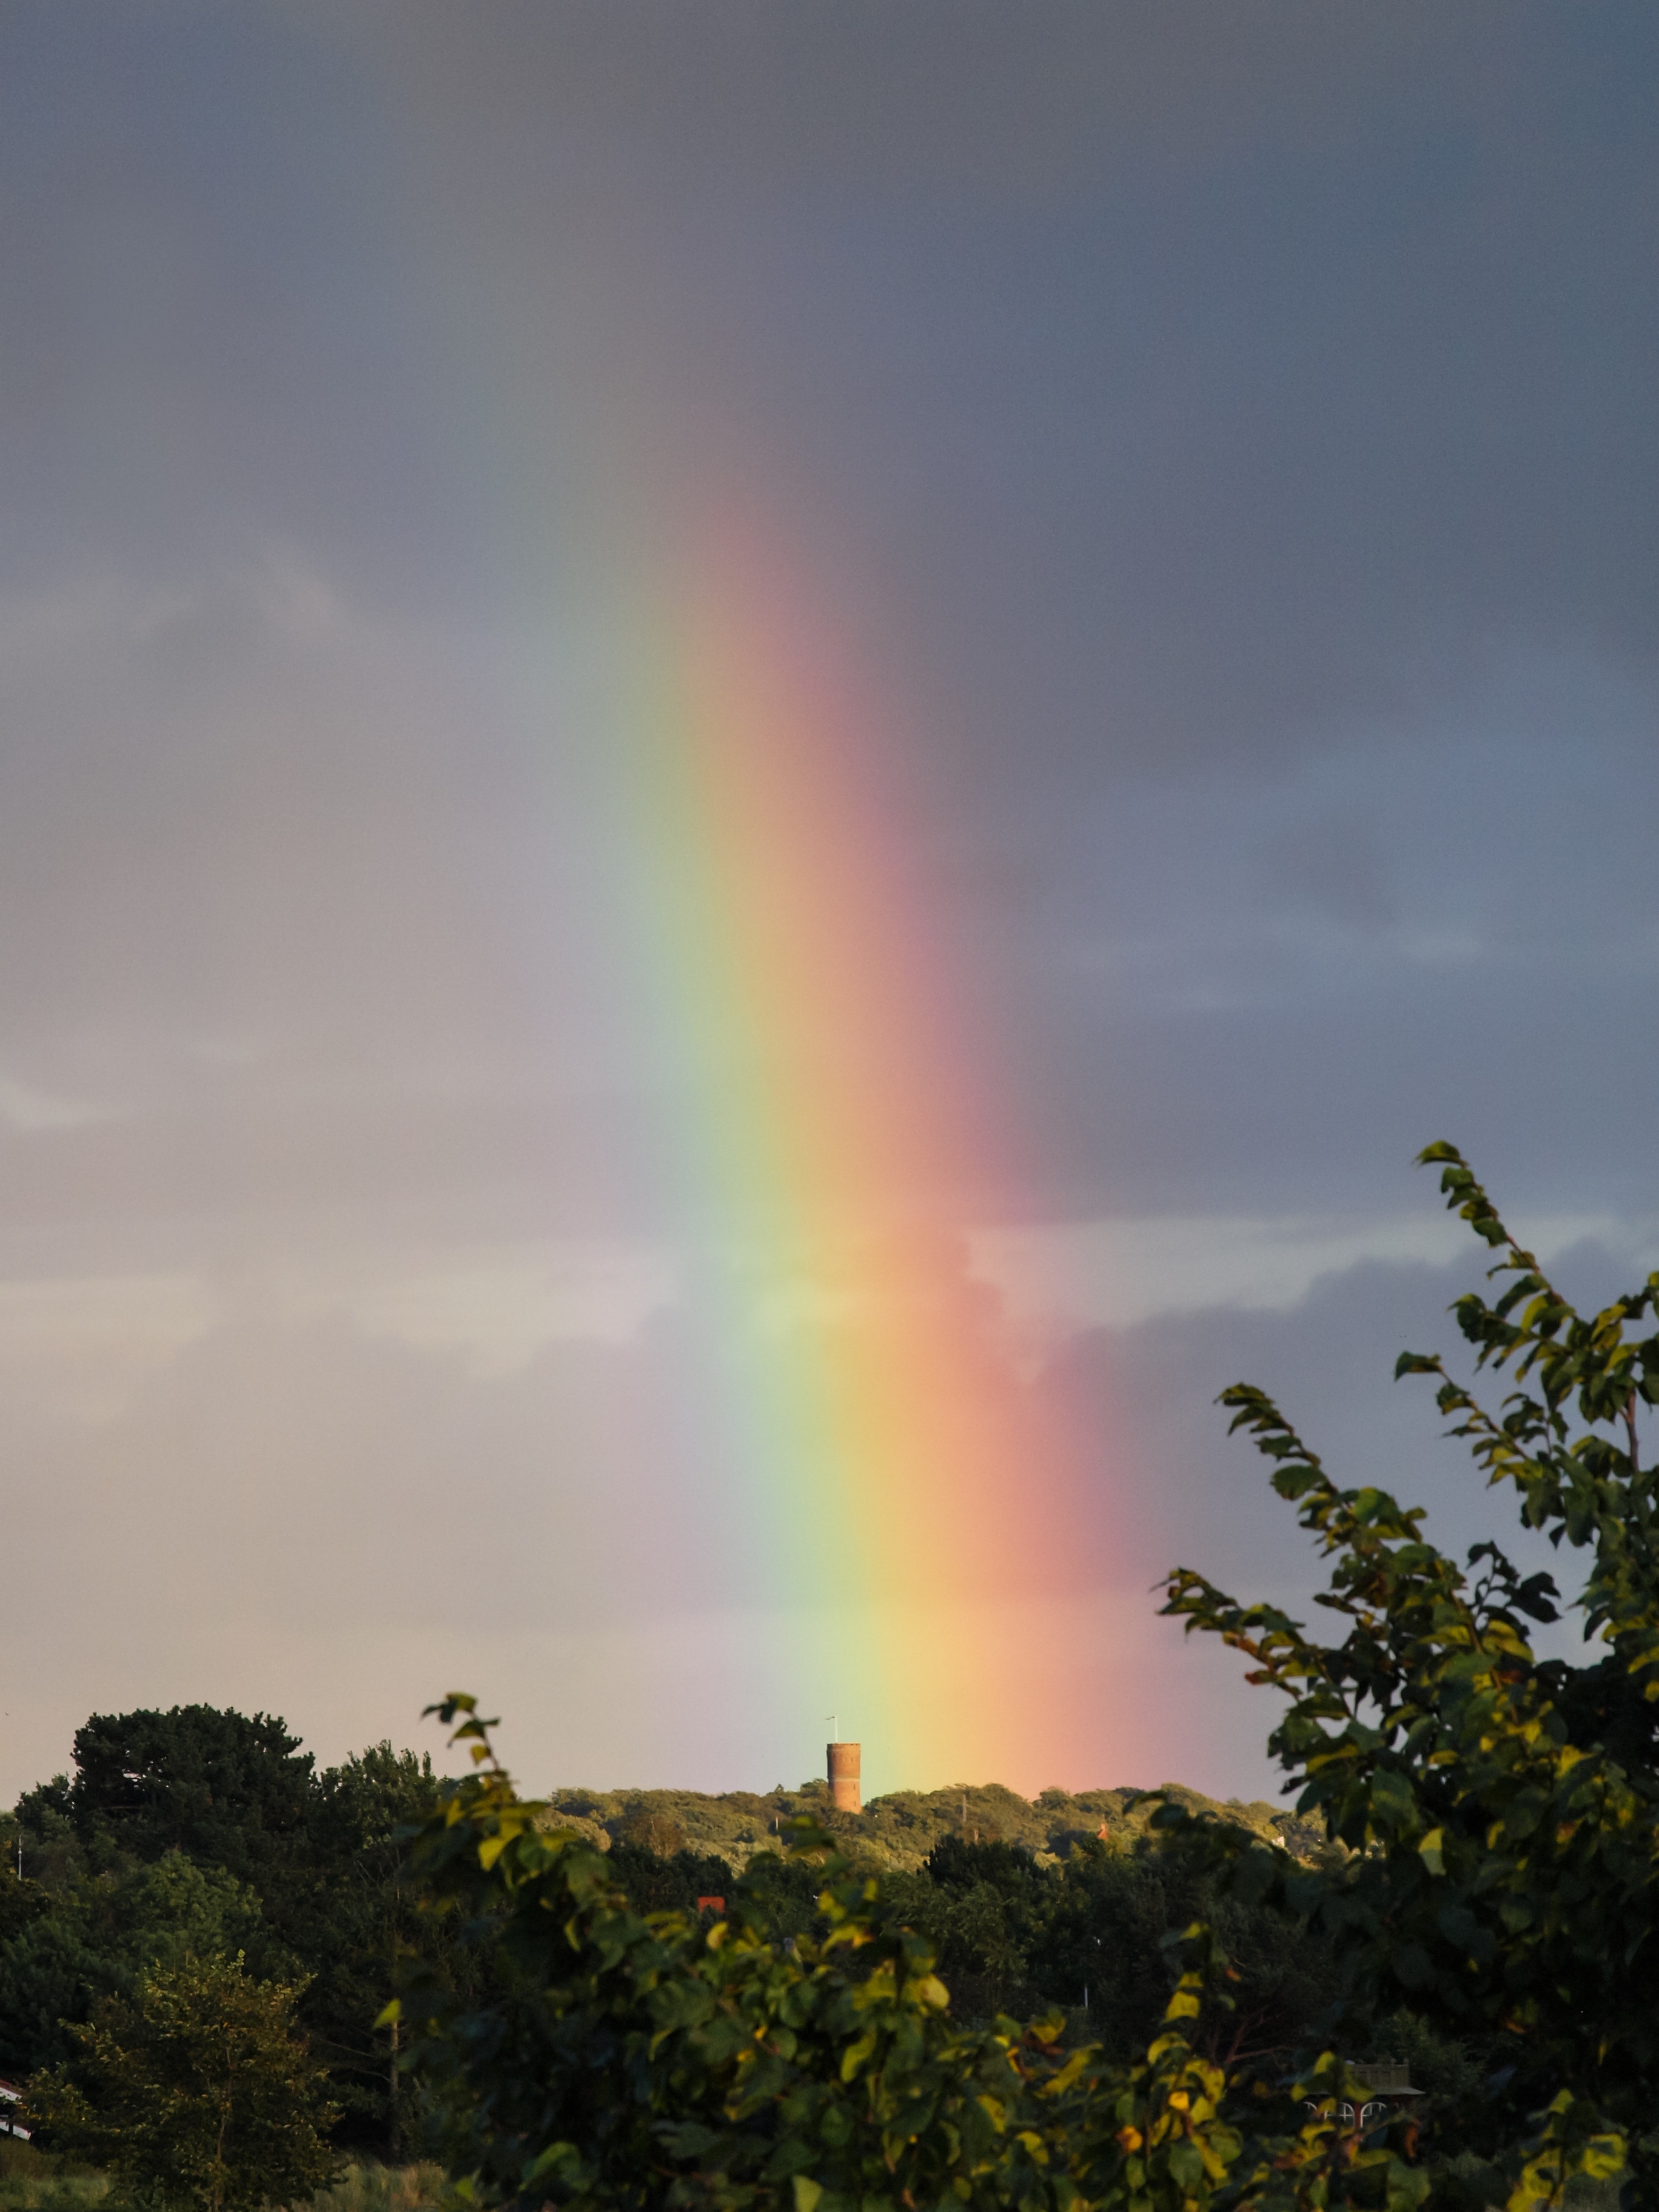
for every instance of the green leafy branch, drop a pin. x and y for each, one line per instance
(1499, 1811)
(602, 2057)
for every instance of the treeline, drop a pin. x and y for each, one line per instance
(200, 1835)
(898, 1831)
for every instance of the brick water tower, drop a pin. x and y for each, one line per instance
(844, 1778)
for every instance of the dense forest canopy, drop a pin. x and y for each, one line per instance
(202, 1834)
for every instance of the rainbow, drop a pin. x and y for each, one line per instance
(891, 1487)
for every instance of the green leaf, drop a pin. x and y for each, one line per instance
(1416, 1363)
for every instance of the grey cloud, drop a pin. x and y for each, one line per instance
(1202, 1499)
(277, 1491)
(950, 95)
(1332, 865)
(1314, 365)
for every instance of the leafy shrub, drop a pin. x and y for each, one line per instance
(607, 2058)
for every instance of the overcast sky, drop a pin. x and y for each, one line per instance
(1232, 430)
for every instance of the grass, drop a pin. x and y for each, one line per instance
(31, 2181)
(34, 2181)
(375, 2188)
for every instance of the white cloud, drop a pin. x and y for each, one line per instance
(1058, 1277)
(292, 595)
(283, 587)
(497, 1305)
(80, 1345)
(66, 615)
(28, 1108)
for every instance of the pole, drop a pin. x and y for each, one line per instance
(394, 2131)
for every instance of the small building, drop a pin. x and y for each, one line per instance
(1388, 2095)
(10, 2097)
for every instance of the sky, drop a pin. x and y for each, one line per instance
(1165, 495)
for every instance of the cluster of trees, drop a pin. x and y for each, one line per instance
(200, 1837)
(832, 2030)
(194, 1960)
(1015, 1933)
(897, 1833)
(197, 1859)
(607, 2056)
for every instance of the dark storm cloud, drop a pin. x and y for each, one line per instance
(964, 98)
(1235, 422)
(210, 336)
(1236, 372)
(1327, 1362)
(1196, 376)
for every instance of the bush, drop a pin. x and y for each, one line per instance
(613, 2059)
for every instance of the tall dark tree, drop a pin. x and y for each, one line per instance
(363, 1915)
(227, 1791)
(312, 1858)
